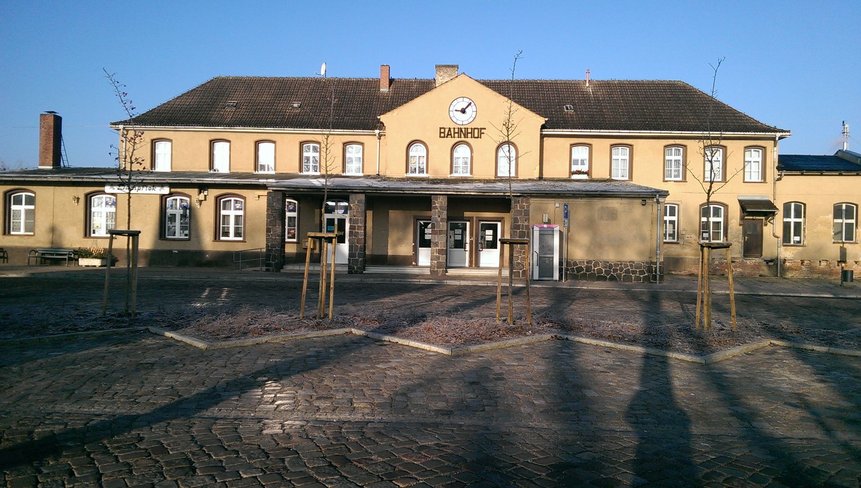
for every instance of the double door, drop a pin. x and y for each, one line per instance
(460, 243)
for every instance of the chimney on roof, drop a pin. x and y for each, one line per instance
(444, 72)
(385, 77)
(845, 136)
(50, 140)
(588, 76)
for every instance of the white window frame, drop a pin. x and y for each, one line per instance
(843, 222)
(231, 221)
(674, 163)
(221, 156)
(671, 216)
(506, 154)
(793, 213)
(620, 162)
(580, 161)
(354, 159)
(175, 207)
(417, 159)
(102, 214)
(753, 164)
(311, 158)
(713, 155)
(162, 155)
(25, 223)
(291, 220)
(265, 155)
(719, 221)
(461, 160)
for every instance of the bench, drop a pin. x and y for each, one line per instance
(4, 255)
(42, 255)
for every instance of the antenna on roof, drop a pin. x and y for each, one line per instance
(323, 70)
(845, 136)
(588, 76)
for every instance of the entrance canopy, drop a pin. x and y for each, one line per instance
(757, 207)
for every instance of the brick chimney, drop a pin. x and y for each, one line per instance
(444, 72)
(385, 77)
(50, 140)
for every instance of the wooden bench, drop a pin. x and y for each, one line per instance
(51, 254)
(4, 255)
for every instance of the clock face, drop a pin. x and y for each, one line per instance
(462, 110)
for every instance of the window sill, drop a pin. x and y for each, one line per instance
(424, 175)
(353, 174)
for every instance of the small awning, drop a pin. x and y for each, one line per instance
(757, 207)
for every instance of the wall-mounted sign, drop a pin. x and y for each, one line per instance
(461, 132)
(138, 188)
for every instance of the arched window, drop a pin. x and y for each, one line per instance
(417, 159)
(506, 160)
(461, 160)
(220, 156)
(712, 223)
(311, 158)
(353, 159)
(162, 155)
(620, 162)
(21, 215)
(580, 161)
(793, 223)
(753, 164)
(291, 230)
(674, 165)
(177, 217)
(845, 219)
(231, 219)
(265, 157)
(102, 215)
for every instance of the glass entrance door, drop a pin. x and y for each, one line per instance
(423, 242)
(488, 244)
(545, 252)
(337, 220)
(458, 244)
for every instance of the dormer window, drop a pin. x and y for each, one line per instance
(568, 107)
(230, 104)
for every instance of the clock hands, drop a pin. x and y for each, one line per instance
(463, 110)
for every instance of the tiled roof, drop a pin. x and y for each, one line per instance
(258, 102)
(839, 162)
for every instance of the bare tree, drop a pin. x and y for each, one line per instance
(130, 164)
(714, 179)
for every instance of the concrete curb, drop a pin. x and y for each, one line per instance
(504, 344)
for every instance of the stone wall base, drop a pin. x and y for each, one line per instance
(595, 270)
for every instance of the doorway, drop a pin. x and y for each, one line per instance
(488, 244)
(337, 220)
(545, 252)
(752, 230)
(423, 243)
(458, 244)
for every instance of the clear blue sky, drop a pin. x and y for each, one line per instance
(792, 64)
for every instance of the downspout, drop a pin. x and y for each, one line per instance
(657, 239)
(775, 179)
(377, 133)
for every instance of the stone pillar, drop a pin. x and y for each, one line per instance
(356, 260)
(520, 230)
(439, 233)
(275, 229)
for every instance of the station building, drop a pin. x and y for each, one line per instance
(604, 178)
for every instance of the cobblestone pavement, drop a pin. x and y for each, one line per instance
(133, 409)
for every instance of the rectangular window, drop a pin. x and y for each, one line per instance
(673, 163)
(292, 221)
(620, 166)
(753, 164)
(713, 164)
(221, 157)
(353, 159)
(579, 162)
(176, 218)
(311, 158)
(162, 156)
(671, 222)
(793, 223)
(844, 222)
(266, 157)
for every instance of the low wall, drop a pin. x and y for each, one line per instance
(596, 270)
